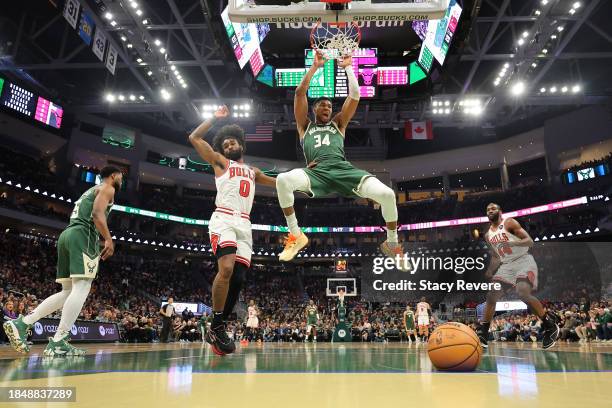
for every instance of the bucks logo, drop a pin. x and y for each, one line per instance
(90, 266)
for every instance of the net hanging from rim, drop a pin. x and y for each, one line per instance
(335, 40)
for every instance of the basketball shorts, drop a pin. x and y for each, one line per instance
(335, 176)
(78, 254)
(523, 268)
(410, 326)
(233, 232)
(423, 320)
(310, 326)
(252, 322)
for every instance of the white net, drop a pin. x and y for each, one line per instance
(335, 40)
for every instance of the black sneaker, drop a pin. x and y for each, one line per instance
(220, 342)
(483, 335)
(550, 334)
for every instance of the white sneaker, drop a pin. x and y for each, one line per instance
(293, 245)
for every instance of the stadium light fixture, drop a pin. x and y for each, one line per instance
(543, 90)
(553, 89)
(110, 97)
(435, 111)
(162, 50)
(123, 38)
(134, 4)
(544, 51)
(113, 23)
(518, 88)
(157, 42)
(575, 88)
(121, 98)
(139, 12)
(108, 16)
(564, 89)
(166, 96)
(129, 45)
(553, 37)
(572, 11)
(141, 97)
(139, 60)
(560, 28)
(537, 12)
(544, 2)
(525, 34)
(576, 5)
(145, 21)
(521, 41)
(173, 68)
(534, 65)
(447, 111)
(149, 73)
(184, 85)
(132, 97)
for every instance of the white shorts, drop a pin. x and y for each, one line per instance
(423, 321)
(521, 268)
(227, 230)
(252, 322)
(310, 327)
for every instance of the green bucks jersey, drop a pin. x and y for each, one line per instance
(323, 142)
(409, 319)
(312, 314)
(83, 208)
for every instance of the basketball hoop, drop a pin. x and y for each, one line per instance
(335, 40)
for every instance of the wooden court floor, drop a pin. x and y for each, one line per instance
(315, 375)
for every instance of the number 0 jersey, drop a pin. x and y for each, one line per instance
(236, 188)
(498, 238)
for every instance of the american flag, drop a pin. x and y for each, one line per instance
(263, 133)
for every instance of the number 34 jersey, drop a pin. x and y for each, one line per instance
(236, 188)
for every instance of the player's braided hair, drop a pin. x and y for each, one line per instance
(229, 132)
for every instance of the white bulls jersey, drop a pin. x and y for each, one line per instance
(252, 312)
(236, 188)
(422, 309)
(498, 237)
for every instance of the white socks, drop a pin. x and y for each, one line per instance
(392, 235)
(49, 305)
(72, 306)
(292, 223)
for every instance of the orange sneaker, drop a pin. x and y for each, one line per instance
(391, 250)
(293, 245)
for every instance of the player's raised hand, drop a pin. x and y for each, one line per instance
(222, 112)
(345, 61)
(319, 59)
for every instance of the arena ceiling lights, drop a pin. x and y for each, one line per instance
(239, 108)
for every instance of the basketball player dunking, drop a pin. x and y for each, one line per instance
(252, 323)
(312, 318)
(510, 244)
(230, 226)
(78, 258)
(422, 314)
(328, 170)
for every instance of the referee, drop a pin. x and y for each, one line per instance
(166, 311)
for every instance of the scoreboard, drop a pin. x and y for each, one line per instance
(18, 99)
(289, 76)
(323, 81)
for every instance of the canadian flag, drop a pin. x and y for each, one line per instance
(418, 131)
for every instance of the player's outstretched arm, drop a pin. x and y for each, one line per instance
(300, 100)
(515, 228)
(205, 150)
(103, 198)
(349, 107)
(263, 179)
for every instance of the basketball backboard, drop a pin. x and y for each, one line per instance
(349, 285)
(311, 11)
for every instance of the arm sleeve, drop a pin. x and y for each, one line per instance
(353, 85)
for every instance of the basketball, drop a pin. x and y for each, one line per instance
(454, 347)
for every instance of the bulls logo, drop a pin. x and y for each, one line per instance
(214, 241)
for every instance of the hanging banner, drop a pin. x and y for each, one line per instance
(99, 45)
(86, 27)
(71, 12)
(111, 59)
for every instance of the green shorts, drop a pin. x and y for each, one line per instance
(78, 254)
(333, 176)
